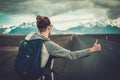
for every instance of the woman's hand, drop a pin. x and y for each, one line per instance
(95, 47)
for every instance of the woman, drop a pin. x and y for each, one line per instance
(50, 48)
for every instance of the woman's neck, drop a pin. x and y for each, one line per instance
(44, 34)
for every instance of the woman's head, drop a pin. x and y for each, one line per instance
(43, 23)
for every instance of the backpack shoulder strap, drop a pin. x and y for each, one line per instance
(35, 70)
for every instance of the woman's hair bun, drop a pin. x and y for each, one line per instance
(39, 18)
(42, 21)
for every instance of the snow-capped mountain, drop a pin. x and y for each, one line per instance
(92, 26)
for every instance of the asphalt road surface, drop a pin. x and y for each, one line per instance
(103, 65)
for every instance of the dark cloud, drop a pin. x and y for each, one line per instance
(54, 7)
(107, 3)
(12, 6)
(48, 7)
(112, 6)
(114, 13)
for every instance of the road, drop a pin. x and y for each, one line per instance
(103, 65)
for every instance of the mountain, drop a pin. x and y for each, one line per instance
(95, 30)
(97, 26)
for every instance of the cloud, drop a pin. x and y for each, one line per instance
(46, 7)
(112, 6)
(107, 4)
(11, 6)
(54, 7)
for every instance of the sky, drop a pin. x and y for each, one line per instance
(18, 11)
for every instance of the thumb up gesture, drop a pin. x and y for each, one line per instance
(95, 47)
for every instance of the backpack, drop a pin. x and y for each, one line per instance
(27, 62)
